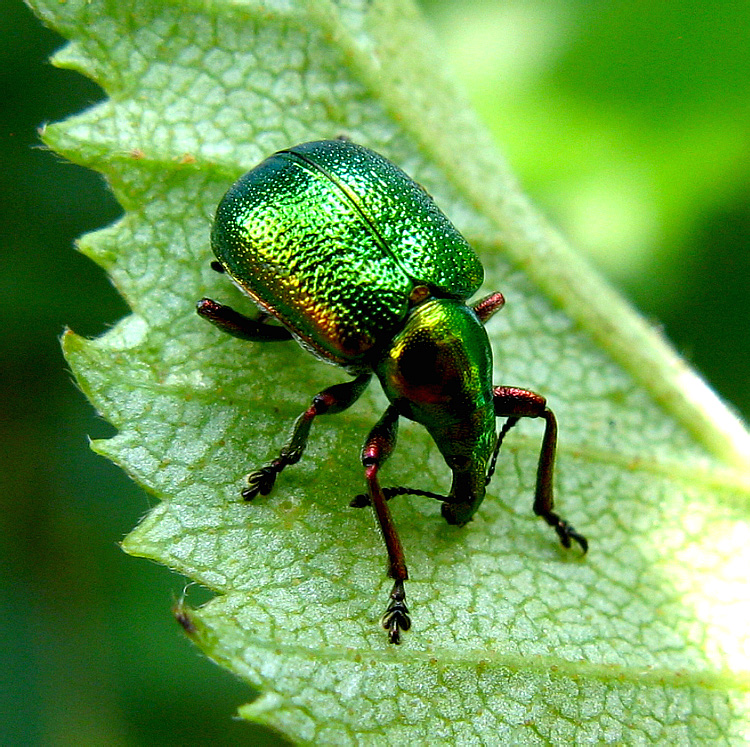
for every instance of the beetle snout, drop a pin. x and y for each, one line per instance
(458, 514)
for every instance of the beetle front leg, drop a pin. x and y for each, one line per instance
(515, 403)
(378, 447)
(330, 401)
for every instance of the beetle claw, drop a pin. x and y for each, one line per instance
(566, 533)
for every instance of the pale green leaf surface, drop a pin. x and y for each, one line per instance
(514, 639)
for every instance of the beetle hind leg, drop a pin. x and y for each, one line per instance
(330, 401)
(238, 325)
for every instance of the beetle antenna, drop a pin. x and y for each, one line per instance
(507, 425)
(362, 500)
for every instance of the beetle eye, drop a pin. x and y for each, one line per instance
(420, 364)
(418, 294)
(426, 372)
(217, 267)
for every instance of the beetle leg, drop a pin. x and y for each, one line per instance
(378, 447)
(330, 401)
(238, 325)
(515, 403)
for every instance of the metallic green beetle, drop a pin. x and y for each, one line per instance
(363, 269)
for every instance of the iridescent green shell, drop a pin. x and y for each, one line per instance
(331, 239)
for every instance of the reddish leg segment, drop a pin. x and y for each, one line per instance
(378, 447)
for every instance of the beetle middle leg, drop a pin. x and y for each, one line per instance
(515, 403)
(330, 401)
(378, 447)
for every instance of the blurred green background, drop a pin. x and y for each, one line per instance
(627, 122)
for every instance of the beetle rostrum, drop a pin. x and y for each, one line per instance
(362, 268)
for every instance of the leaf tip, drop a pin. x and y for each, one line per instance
(71, 342)
(259, 710)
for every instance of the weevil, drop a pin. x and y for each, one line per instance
(362, 269)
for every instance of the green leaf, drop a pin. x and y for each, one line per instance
(514, 640)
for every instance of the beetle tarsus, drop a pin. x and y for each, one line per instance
(396, 617)
(260, 482)
(566, 532)
(360, 501)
